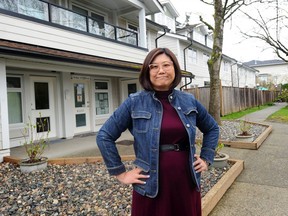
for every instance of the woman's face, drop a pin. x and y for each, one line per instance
(162, 72)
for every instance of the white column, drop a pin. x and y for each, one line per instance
(68, 118)
(142, 29)
(4, 124)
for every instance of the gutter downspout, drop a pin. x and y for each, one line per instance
(166, 29)
(185, 68)
(186, 84)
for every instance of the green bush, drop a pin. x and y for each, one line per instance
(283, 95)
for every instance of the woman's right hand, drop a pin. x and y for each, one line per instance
(132, 177)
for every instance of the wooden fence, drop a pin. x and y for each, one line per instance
(234, 99)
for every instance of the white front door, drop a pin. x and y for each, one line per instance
(81, 106)
(43, 103)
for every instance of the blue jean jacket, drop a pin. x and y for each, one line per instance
(141, 113)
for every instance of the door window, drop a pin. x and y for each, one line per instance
(79, 91)
(41, 90)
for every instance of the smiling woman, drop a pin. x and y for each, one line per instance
(162, 121)
(162, 73)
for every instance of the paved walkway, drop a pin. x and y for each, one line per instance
(261, 188)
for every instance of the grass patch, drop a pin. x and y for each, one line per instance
(239, 114)
(280, 116)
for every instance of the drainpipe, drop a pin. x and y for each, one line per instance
(185, 68)
(191, 42)
(186, 84)
(166, 29)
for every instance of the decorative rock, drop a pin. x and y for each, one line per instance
(60, 191)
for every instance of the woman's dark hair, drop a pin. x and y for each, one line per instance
(144, 77)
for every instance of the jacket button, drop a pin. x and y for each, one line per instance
(188, 125)
(171, 97)
(179, 108)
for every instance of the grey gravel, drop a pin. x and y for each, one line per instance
(85, 189)
(229, 130)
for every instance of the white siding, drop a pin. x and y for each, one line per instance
(25, 31)
(278, 73)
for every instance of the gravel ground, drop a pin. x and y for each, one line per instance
(84, 189)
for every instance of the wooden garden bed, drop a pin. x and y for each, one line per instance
(250, 145)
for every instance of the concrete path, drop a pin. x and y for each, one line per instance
(262, 187)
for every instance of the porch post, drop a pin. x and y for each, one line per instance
(142, 29)
(4, 122)
(68, 118)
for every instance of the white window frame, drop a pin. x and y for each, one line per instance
(82, 6)
(109, 91)
(192, 56)
(21, 90)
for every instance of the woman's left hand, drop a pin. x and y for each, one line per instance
(199, 164)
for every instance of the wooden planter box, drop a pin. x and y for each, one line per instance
(250, 145)
(209, 201)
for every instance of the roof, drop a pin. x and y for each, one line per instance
(33, 51)
(257, 63)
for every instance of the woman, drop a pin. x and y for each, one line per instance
(163, 121)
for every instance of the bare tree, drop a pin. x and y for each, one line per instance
(223, 10)
(271, 28)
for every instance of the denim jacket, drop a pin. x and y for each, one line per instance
(141, 113)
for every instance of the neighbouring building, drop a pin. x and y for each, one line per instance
(271, 72)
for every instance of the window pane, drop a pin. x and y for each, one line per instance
(41, 95)
(80, 10)
(101, 85)
(13, 82)
(79, 94)
(102, 104)
(132, 88)
(14, 107)
(43, 124)
(80, 120)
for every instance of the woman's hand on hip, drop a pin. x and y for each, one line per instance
(132, 177)
(199, 164)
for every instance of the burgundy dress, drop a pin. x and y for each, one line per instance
(177, 194)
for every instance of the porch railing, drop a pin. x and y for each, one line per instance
(58, 15)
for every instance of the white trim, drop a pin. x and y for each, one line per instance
(4, 107)
(110, 99)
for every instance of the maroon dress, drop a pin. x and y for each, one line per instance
(177, 194)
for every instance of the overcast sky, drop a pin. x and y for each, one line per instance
(234, 44)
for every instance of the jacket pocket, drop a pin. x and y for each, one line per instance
(141, 121)
(191, 115)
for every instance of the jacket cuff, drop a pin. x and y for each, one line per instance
(116, 170)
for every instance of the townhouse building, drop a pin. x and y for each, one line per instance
(192, 43)
(71, 61)
(76, 61)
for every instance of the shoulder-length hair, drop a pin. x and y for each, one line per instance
(144, 77)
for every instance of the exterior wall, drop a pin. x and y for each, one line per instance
(278, 73)
(64, 92)
(25, 31)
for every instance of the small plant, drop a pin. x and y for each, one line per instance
(35, 138)
(244, 128)
(218, 148)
